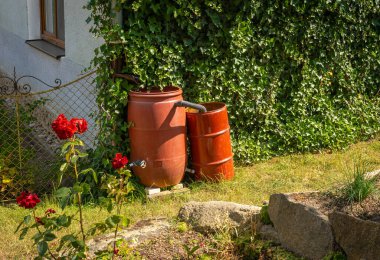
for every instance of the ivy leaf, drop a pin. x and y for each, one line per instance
(214, 18)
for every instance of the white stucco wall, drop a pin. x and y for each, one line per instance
(19, 21)
(13, 17)
(80, 43)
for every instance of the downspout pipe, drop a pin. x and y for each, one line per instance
(184, 103)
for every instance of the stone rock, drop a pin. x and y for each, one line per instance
(301, 228)
(360, 239)
(268, 232)
(216, 216)
(140, 232)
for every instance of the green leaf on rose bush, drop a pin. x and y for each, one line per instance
(37, 237)
(27, 219)
(106, 203)
(63, 194)
(125, 221)
(80, 154)
(77, 188)
(74, 159)
(90, 170)
(64, 167)
(113, 220)
(64, 240)
(42, 248)
(24, 231)
(64, 221)
(49, 236)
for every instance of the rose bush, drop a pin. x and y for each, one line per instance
(73, 245)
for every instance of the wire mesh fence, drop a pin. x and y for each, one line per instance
(29, 149)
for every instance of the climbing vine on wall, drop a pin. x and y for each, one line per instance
(296, 75)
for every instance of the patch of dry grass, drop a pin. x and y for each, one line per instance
(252, 185)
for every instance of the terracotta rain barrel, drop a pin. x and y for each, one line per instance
(210, 142)
(158, 135)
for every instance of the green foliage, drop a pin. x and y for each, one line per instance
(190, 251)
(360, 186)
(335, 256)
(254, 248)
(182, 227)
(6, 173)
(264, 215)
(297, 76)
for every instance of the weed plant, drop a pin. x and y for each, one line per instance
(360, 186)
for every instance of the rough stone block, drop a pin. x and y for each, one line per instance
(216, 216)
(301, 228)
(360, 239)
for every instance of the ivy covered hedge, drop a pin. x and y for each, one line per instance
(297, 75)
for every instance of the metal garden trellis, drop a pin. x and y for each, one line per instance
(28, 147)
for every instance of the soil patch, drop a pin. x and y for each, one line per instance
(368, 209)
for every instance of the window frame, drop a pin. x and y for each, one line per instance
(48, 36)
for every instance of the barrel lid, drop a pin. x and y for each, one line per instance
(167, 91)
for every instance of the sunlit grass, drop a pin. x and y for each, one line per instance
(252, 185)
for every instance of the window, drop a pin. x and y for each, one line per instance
(52, 22)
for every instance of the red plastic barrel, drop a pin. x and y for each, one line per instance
(210, 142)
(158, 136)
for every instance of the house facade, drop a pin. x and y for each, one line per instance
(47, 39)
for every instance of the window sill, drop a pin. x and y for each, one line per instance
(46, 47)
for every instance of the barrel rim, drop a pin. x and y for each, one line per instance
(167, 91)
(208, 112)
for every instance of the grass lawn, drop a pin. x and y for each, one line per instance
(252, 185)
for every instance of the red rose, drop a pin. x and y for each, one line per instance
(119, 161)
(38, 220)
(80, 123)
(63, 128)
(49, 211)
(27, 200)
